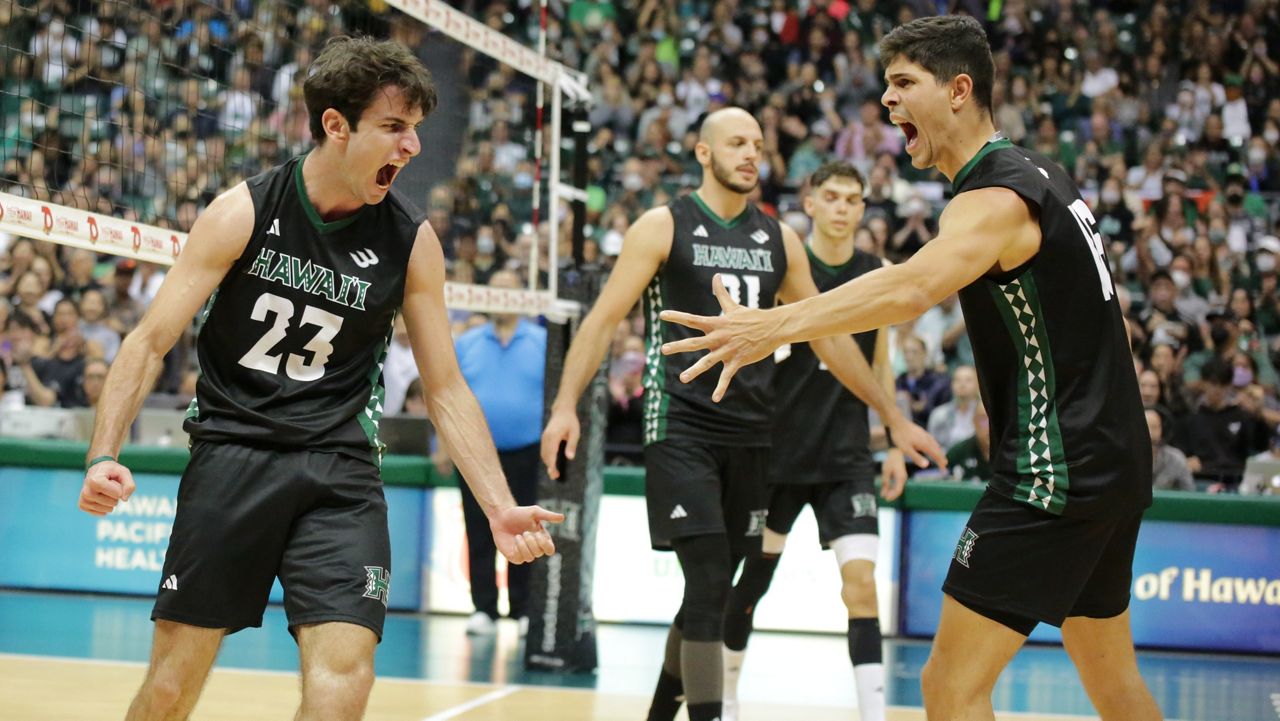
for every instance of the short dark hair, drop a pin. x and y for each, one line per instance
(350, 71)
(1217, 371)
(946, 46)
(836, 169)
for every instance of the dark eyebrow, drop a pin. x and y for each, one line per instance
(890, 77)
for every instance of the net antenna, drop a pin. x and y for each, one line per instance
(564, 83)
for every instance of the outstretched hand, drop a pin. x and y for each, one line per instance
(519, 534)
(738, 337)
(916, 443)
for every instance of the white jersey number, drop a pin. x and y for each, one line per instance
(1084, 219)
(733, 284)
(298, 367)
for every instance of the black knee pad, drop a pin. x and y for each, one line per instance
(756, 576)
(707, 576)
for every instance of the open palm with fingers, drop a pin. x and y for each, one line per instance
(519, 534)
(739, 337)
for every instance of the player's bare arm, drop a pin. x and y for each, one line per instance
(847, 364)
(517, 530)
(894, 467)
(981, 231)
(644, 249)
(217, 239)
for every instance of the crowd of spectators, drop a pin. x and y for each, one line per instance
(1166, 113)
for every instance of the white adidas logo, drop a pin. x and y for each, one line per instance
(275, 227)
(170, 583)
(679, 512)
(700, 231)
(760, 236)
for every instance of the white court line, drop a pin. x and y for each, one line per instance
(473, 703)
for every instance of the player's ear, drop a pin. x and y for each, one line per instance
(335, 124)
(702, 152)
(961, 90)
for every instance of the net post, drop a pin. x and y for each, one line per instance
(562, 626)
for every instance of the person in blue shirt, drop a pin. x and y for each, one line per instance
(503, 362)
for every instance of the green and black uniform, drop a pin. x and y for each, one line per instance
(705, 462)
(283, 478)
(1070, 454)
(821, 453)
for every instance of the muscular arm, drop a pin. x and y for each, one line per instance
(452, 406)
(980, 231)
(216, 240)
(644, 250)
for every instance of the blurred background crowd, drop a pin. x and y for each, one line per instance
(1166, 113)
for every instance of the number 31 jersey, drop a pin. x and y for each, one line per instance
(292, 342)
(747, 252)
(1068, 434)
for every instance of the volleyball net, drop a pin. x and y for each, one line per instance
(122, 123)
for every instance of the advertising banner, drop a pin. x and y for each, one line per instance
(634, 583)
(51, 544)
(1195, 585)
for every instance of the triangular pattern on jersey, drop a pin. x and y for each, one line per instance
(1042, 464)
(654, 382)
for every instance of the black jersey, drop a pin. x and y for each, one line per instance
(292, 342)
(820, 431)
(1067, 429)
(749, 254)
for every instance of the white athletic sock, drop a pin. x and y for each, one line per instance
(732, 669)
(869, 679)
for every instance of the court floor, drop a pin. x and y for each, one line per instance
(73, 657)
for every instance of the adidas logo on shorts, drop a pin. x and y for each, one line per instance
(170, 583)
(679, 512)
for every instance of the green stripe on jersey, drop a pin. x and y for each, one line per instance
(1041, 460)
(193, 408)
(655, 366)
(371, 416)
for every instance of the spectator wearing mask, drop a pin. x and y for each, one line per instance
(503, 362)
(1220, 435)
(952, 422)
(1225, 336)
(1115, 220)
(1169, 470)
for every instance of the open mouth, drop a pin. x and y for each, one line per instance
(910, 131)
(386, 174)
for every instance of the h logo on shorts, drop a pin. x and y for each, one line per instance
(377, 584)
(755, 525)
(864, 504)
(964, 546)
